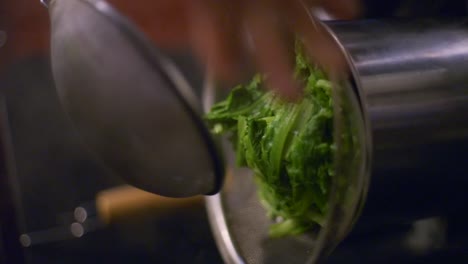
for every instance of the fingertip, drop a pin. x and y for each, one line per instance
(216, 39)
(285, 87)
(326, 52)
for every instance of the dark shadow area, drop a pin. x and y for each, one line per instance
(51, 173)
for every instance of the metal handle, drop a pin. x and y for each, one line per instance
(127, 201)
(56, 234)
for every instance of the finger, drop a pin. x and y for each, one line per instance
(215, 35)
(270, 50)
(164, 21)
(319, 44)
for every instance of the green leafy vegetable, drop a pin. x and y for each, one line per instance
(289, 146)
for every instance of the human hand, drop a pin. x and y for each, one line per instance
(216, 31)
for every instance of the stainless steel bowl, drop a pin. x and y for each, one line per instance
(407, 99)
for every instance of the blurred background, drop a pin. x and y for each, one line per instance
(49, 184)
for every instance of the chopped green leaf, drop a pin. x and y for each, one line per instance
(288, 146)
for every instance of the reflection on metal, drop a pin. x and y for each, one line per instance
(427, 235)
(80, 214)
(77, 230)
(60, 233)
(221, 231)
(45, 3)
(25, 240)
(412, 77)
(56, 234)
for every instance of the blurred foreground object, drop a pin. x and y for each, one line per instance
(136, 112)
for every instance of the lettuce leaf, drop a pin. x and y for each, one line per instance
(288, 146)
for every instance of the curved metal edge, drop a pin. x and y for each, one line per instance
(180, 86)
(214, 146)
(214, 204)
(355, 85)
(45, 3)
(220, 230)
